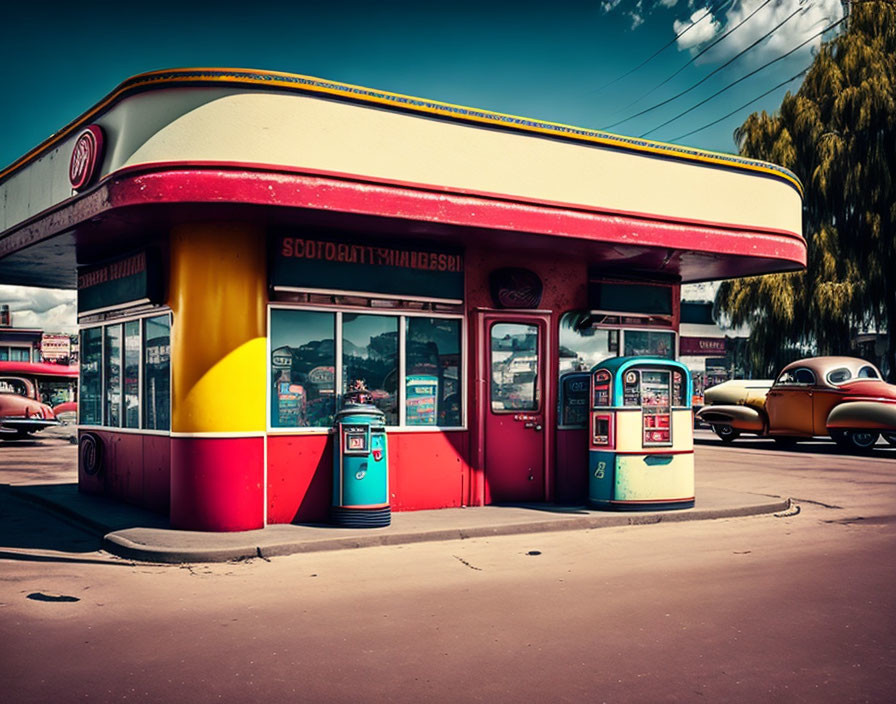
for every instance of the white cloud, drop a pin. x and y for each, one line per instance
(703, 27)
(49, 309)
(814, 17)
(668, 3)
(637, 20)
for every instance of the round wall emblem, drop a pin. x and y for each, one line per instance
(512, 287)
(91, 454)
(85, 156)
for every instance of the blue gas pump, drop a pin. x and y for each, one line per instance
(360, 468)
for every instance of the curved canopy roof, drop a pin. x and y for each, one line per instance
(287, 149)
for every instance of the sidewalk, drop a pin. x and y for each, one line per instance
(141, 535)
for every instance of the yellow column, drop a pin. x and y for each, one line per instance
(218, 294)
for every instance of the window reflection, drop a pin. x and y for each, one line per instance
(112, 374)
(370, 360)
(91, 376)
(157, 373)
(514, 367)
(303, 368)
(432, 364)
(649, 343)
(132, 374)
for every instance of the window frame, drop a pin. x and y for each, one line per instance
(399, 313)
(102, 325)
(796, 384)
(540, 361)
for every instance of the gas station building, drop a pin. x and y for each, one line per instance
(248, 245)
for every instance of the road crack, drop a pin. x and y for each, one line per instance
(463, 561)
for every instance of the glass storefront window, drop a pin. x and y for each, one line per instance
(91, 391)
(112, 376)
(306, 373)
(370, 360)
(432, 368)
(514, 365)
(157, 373)
(131, 380)
(582, 345)
(650, 343)
(303, 368)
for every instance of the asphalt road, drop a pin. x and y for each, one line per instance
(797, 608)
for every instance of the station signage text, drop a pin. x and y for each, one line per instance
(133, 279)
(319, 264)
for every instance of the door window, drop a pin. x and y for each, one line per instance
(514, 367)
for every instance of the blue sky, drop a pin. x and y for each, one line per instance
(570, 63)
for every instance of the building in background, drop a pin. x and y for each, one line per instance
(17, 344)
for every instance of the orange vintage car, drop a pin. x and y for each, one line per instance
(842, 397)
(26, 391)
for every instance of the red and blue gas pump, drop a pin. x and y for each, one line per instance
(641, 438)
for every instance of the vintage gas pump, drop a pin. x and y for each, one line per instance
(360, 464)
(641, 439)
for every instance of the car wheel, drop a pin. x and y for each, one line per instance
(890, 438)
(861, 440)
(726, 433)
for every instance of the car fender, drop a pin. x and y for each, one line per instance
(740, 392)
(745, 418)
(863, 415)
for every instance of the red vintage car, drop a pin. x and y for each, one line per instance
(842, 397)
(28, 393)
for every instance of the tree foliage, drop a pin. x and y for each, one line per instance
(838, 135)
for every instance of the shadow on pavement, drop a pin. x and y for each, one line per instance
(56, 517)
(882, 450)
(26, 525)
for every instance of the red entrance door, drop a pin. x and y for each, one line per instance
(513, 365)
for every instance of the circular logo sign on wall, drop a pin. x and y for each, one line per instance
(86, 155)
(515, 288)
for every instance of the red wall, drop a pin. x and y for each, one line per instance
(300, 478)
(426, 470)
(136, 468)
(217, 483)
(571, 471)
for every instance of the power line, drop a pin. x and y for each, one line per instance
(711, 73)
(743, 78)
(699, 54)
(745, 105)
(659, 51)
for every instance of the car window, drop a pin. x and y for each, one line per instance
(868, 372)
(14, 385)
(839, 375)
(799, 376)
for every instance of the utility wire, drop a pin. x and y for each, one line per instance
(699, 54)
(711, 73)
(745, 105)
(709, 10)
(743, 78)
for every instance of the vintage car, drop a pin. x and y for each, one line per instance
(28, 393)
(842, 397)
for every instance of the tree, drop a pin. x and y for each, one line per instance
(838, 134)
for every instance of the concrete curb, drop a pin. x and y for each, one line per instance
(271, 542)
